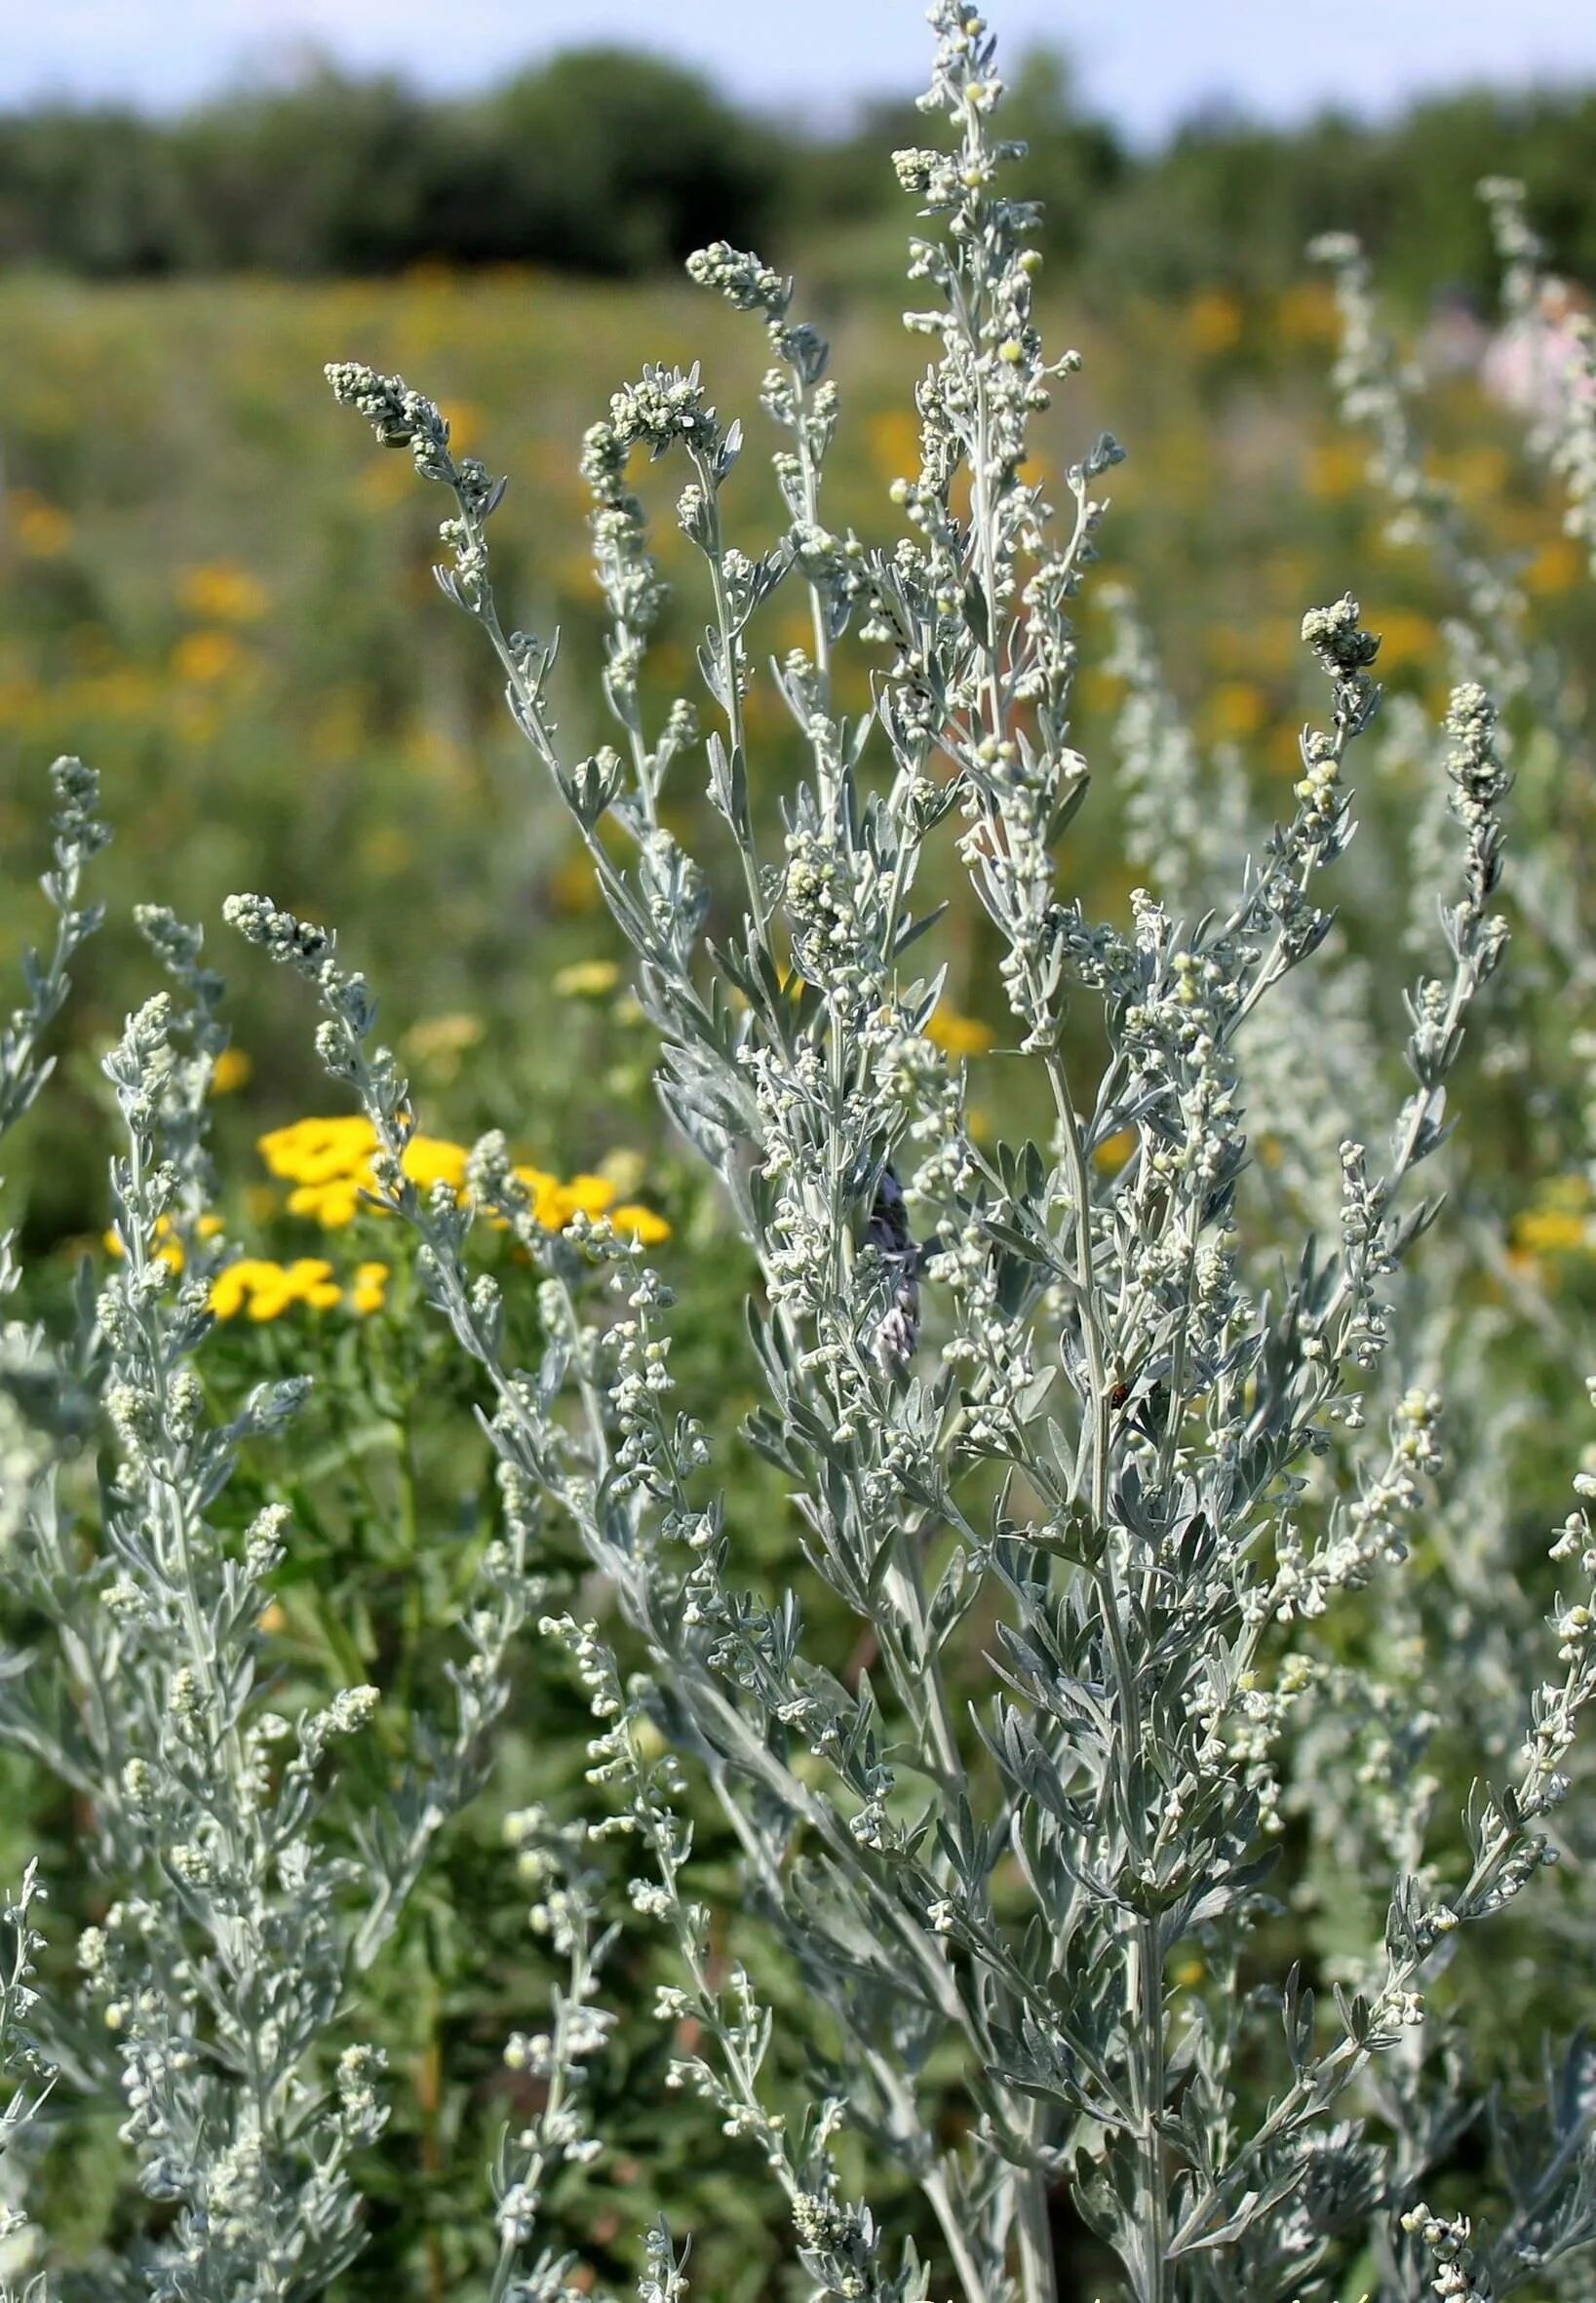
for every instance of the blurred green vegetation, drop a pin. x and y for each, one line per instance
(615, 164)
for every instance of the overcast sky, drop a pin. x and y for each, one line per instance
(1147, 62)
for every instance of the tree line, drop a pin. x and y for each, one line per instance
(615, 164)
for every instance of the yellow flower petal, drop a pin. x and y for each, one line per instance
(331, 1205)
(1552, 1232)
(228, 1291)
(643, 1224)
(232, 1070)
(959, 1035)
(371, 1289)
(1112, 1152)
(585, 1195)
(587, 979)
(223, 593)
(203, 658)
(316, 1151)
(429, 1160)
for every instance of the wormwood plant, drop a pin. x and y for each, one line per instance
(1094, 1454)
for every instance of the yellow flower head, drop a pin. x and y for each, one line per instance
(168, 1247)
(329, 1162)
(585, 1195)
(1112, 1152)
(958, 1036)
(319, 1151)
(204, 657)
(232, 1070)
(587, 979)
(1214, 321)
(1553, 1232)
(371, 1289)
(223, 593)
(43, 531)
(544, 1192)
(430, 1159)
(332, 1205)
(265, 1290)
(641, 1224)
(1236, 710)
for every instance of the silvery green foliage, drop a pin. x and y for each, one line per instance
(1006, 1391)
(41, 1403)
(218, 1979)
(1562, 342)
(1311, 1059)
(239, 1913)
(78, 836)
(27, 2061)
(1378, 392)
(555, 1862)
(219, 1965)
(1488, 635)
(39, 1398)
(1361, 1774)
(1555, 958)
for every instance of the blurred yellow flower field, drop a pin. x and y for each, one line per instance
(229, 608)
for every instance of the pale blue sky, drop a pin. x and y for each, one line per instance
(1144, 61)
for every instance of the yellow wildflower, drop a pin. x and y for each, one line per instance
(1306, 314)
(1558, 566)
(1236, 710)
(894, 447)
(1480, 472)
(332, 1204)
(313, 1282)
(318, 1151)
(1112, 1152)
(168, 1248)
(544, 1190)
(587, 979)
(429, 1160)
(233, 1069)
(1213, 321)
(1407, 638)
(235, 1288)
(1552, 1232)
(572, 888)
(223, 593)
(958, 1036)
(43, 531)
(265, 1290)
(584, 1194)
(1334, 470)
(206, 657)
(371, 1289)
(642, 1222)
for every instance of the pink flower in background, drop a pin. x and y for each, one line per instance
(1536, 364)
